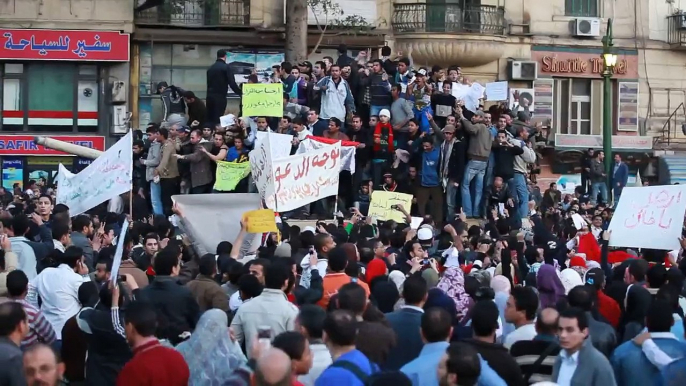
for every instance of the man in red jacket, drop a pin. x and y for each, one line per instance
(152, 364)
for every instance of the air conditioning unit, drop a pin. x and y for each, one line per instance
(681, 22)
(587, 26)
(522, 70)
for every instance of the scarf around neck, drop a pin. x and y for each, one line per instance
(378, 133)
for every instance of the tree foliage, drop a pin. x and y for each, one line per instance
(329, 15)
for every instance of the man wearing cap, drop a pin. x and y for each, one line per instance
(383, 146)
(173, 103)
(219, 79)
(452, 165)
(379, 87)
(607, 306)
(401, 113)
(478, 153)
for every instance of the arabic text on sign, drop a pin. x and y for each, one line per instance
(61, 44)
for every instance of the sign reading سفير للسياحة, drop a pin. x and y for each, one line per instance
(81, 45)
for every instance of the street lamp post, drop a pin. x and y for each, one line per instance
(609, 63)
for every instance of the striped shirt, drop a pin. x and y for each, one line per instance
(527, 352)
(40, 330)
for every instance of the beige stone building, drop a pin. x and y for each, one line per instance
(561, 40)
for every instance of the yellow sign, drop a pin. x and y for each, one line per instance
(229, 174)
(260, 221)
(262, 99)
(382, 203)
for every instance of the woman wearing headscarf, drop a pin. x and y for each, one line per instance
(452, 283)
(211, 355)
(501, 286)
(570, 279)
(550, 288)
(431, 277)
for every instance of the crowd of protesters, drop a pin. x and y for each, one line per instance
(496, 286)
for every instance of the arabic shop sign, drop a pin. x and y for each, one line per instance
(583, 64)
(42, 44)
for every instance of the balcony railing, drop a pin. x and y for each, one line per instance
(448, 18)
(197, 13)
(676, 31)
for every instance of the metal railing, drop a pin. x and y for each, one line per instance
(676, 30)
(671, 132)
(451, 17)
(197, 13)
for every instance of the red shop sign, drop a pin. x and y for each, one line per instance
(45, 44)
(23, 144)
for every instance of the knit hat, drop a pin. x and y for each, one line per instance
(384, 112)
(577, 261)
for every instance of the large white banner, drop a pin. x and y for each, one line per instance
(280, 145)
(217, 217)
(108, 176)
(649, 217)
(304, 178)
(315, 143)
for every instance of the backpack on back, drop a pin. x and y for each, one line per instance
(377, 378)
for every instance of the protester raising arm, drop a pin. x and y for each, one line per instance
(238, 243)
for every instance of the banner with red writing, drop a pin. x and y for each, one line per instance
(303, 178)
(347, 149)
(649, 217)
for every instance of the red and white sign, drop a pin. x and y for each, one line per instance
(23, 144)
(80, 45)
(304, 178)
(56, 118)
(347, 149)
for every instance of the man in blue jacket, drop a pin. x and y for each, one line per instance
(430, 186)
(620, 176)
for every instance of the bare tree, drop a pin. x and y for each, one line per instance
(296, 30)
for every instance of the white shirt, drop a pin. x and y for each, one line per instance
(421, 310)
(525, 332)
(58, 245)
(322, 265)
(654, 354)
(26, 256)
(58, 289)
(567, 368)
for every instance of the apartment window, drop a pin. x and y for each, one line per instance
(573, 106)
(587, 8)
(50, 97)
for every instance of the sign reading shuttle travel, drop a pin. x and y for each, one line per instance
(578, 63)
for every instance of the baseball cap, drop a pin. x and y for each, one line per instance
(420, 72)
(184, 129)
(425, 234)
(449, 129)
(577, 261)
(385, 113)
(595, 277)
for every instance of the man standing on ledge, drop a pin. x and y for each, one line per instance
(219, 79)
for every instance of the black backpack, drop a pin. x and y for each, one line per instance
(378, 378)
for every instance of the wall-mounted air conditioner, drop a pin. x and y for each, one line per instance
(587, 27)
(522, 70)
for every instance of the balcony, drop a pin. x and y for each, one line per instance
(197, 13)
(431, 31)
(676, 31)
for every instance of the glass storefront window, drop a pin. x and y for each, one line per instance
(50, 97)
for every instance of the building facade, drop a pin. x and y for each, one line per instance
(65, 71)
(558, 45)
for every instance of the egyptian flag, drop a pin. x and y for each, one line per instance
(589, 246)
(347, 149)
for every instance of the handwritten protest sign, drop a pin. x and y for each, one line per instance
(229, 174)
(382, 202)
(347, 149)
(649, 217)
(108, 176)
(279, 144)
(260, 221)
(304, 178)
(116, 262)
(262, 99)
